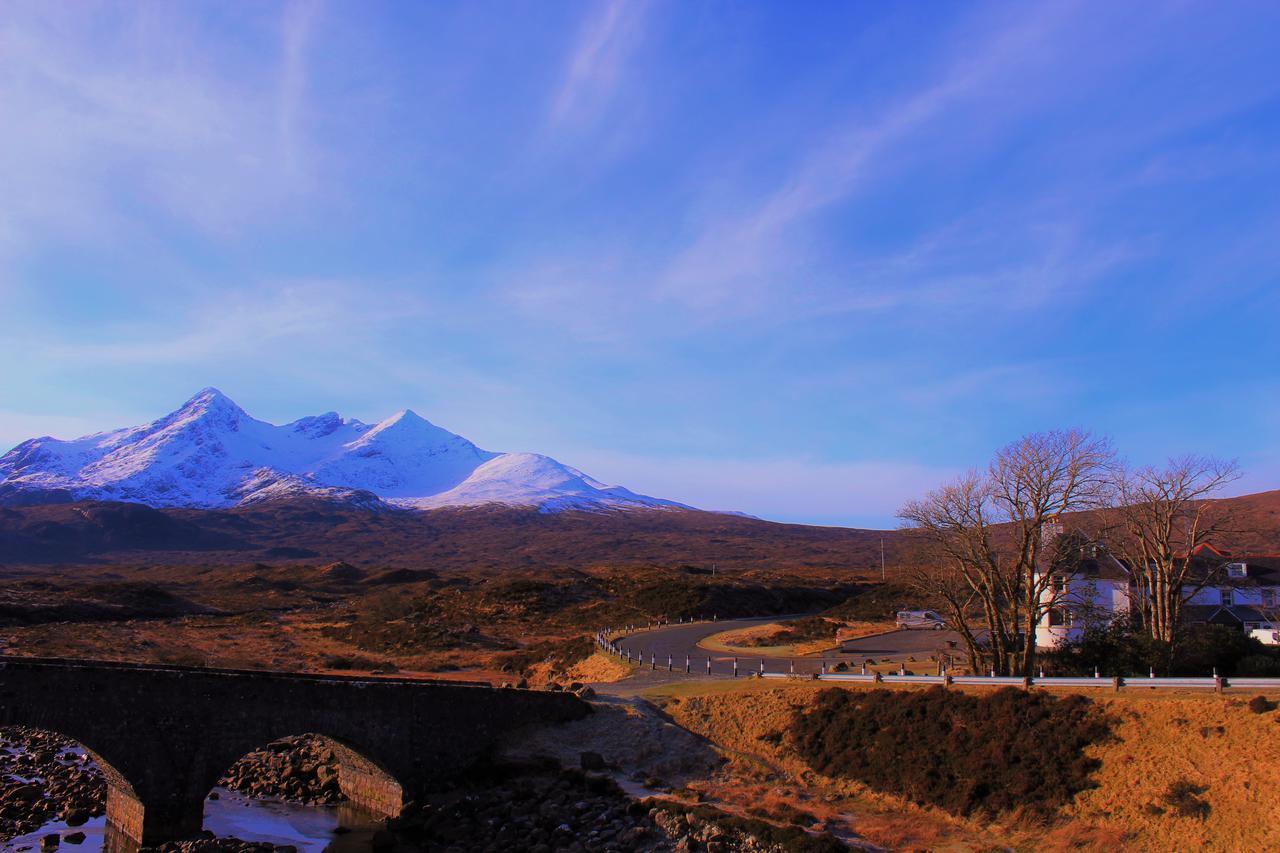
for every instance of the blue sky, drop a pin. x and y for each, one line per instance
(800, 260)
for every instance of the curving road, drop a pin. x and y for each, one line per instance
(679, 644)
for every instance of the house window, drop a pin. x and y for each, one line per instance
(1057, 617)
(1227, 599)
(1268, 598)
(1236, 570)
(1058, 583)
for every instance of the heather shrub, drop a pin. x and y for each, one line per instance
(1261, 705)
(1119, 649)
(1183, 799)
(1010, 750)
(1265, 665)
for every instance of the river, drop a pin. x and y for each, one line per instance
(311, 829)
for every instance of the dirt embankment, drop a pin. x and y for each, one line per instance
(1178, 772)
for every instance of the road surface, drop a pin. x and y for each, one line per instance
(678, 646)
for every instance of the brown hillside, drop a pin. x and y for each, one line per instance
(482, 538)
(478, 538)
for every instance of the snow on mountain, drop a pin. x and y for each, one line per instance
(531, 479)
(210, 453)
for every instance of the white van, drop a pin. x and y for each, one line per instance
(919, 619)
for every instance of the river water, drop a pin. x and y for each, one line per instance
(309, 828)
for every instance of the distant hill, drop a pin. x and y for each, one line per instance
(479, 538)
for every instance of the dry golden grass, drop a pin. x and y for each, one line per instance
(600, 669)
(1211, 741)
(1214, 742)
(737, 640)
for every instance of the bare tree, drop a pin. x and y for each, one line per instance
(990, 530)
(1035, 480)
(940, 579)
(1165, 515)
(954, 524)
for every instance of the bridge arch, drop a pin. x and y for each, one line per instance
(122, 804)
(362, 779)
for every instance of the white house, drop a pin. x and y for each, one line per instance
(1096, 588)
(1245, 593)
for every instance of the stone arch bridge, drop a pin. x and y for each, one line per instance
(164, 735)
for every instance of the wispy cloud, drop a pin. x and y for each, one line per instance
(739, 257)
(597, 61)
(296, 26)
(241, 325)
(105, 123)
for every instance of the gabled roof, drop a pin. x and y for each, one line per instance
(1263, 570)
(1104, 566)
(1216, 614)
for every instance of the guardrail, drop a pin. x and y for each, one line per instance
(994, 680)
(913, 679)
(868, 678)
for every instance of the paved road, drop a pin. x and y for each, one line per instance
(679, 645)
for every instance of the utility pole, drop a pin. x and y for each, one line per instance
(882, 558)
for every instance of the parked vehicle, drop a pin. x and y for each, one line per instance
(909, 620)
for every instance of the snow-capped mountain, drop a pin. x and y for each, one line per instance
(210, 454)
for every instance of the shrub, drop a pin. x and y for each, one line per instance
(1261, 705)
(1203, 648)
(561, 654)
(967, 754)
(361, 662)
(181, 657)
(880, 601)
(1200, 650)
(797, 631)
(1259, 665)
(1183, 798)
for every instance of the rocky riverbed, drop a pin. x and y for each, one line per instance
(45, 777)
(541, 809)
(300, 769)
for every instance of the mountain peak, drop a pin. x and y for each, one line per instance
(211, 400)
(407, 423)
(211, 453)
(407, 416)
(208, 394)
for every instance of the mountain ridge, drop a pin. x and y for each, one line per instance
(211, 454)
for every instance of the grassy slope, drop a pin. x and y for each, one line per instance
(1158, 741)
(1211, 741)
